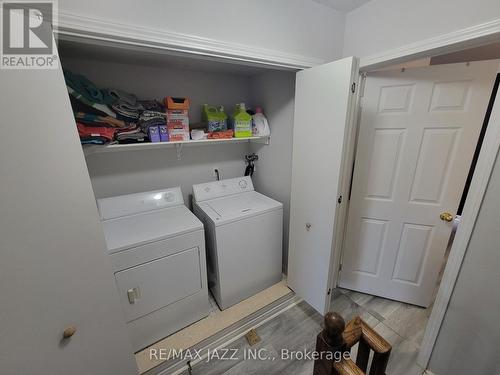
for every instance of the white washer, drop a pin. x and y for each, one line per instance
(243, 231)
(157, 248)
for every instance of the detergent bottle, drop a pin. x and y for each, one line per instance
(242, 122)
(260, 126)
(215, 118)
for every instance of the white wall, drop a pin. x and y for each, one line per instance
(130, 172)
(385, 24)
(275, 93)
(301, 27)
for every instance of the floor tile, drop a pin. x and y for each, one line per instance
(348, 309)
(357, 297)
(381, 308)
(409, 322)
(403, 359)
(388, 334)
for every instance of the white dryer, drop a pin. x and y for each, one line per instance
(157, 248)
(243, 231)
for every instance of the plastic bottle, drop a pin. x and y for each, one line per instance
(260, 126)
(215, 118)
(242, 122)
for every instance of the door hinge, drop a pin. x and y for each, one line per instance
(329, 292)
(339, 200)
(353, 87)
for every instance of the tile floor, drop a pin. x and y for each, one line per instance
(296, 329)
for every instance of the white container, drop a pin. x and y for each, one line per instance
(260, 126)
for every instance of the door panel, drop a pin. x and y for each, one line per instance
(417, 136)
(54, 270)
(159, 283)
(433, 164)
(384, 163)
(323, 112)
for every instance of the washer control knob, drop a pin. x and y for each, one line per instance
(243, 184)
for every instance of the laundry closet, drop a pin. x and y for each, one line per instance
(142, 188)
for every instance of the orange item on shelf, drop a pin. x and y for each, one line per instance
(178, 124)
(177, 103)
(221, 134)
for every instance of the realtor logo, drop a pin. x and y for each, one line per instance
(27, 38)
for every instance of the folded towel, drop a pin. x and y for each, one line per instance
(153, 105)
(123, 97)
(84, 87)
(91, 119)
(97, 106)
(92, 131)
(93, 141)
(151, 118)
(126, 111)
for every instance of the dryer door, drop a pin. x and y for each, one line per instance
(150, 286)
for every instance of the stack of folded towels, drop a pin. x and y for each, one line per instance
(109, 115)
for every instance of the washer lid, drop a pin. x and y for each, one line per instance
(234, 207)
(135, 230)
(130, 204)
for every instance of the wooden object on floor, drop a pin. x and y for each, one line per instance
(252, 337)
(337, 338)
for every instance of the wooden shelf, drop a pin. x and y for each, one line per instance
(98, 149)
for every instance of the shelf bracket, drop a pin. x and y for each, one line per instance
(178, 149)
(262, 140)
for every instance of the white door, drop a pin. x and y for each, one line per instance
(418, 132)
(324, 104)
(54, 270)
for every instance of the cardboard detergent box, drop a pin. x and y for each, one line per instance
(163, 133)
(178, 124)
(154, 134)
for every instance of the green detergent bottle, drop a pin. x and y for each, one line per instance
(215, 118)
(242, 122)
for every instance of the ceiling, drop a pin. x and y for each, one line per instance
(343, 5)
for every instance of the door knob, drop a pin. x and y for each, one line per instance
(69, 331)
(446, 216)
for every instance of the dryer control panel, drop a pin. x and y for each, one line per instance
(217, 189)
(124, 205)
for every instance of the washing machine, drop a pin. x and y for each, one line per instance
(157, 249)
(244, 232)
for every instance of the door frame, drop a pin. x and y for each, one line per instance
(471, 37)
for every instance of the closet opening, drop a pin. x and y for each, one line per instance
(128, 163)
